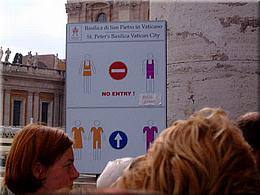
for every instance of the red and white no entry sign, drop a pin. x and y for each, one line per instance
(118, 70)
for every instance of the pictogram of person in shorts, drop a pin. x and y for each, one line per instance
(97, 135)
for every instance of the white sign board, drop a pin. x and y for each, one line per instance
(115, 90)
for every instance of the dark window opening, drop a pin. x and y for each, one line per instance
(17, 113)
(45, 112)
(101, 17)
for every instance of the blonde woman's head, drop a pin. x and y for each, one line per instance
(205, 154)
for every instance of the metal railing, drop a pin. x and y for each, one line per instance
(8, 131)
(7, 134)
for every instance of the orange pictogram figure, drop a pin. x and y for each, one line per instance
(97, 135)
(77, 132)
(149, 68)
(86, 70)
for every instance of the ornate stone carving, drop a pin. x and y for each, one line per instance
(98, 5)
(133, 4)
(122, 4)
(127, 4)
(73, 8)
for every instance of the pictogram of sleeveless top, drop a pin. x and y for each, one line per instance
(150, 70)
(87, 70)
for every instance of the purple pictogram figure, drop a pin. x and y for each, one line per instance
(150, 131)
(149, 68)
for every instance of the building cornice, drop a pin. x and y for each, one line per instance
(25, 71)
(127, 4)
(73, 8)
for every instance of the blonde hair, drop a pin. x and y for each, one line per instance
(205, 154)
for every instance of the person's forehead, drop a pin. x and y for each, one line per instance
(68, 155)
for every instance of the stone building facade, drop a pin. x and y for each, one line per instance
(107, 11)
(213, 55)
(32, 93)
(213, 51)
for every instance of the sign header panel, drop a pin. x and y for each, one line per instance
(120, 31)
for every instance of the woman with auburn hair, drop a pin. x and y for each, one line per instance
(205, 154)
(40, 160)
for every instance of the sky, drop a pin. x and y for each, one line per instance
(33, 25)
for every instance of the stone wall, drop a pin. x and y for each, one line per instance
(213, 56)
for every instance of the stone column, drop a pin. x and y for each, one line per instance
(56, 112)
(1, 106)
(213, 56)
(36, 116)
(29, 108)
(7, 110)
(63, 110)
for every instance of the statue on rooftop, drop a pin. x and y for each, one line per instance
(1, 53)
(56, 61)
(7, 52)
(29, 58)
(20, 58)
(35, 60)
(15, 60)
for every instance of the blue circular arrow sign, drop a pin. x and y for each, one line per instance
(118, 139)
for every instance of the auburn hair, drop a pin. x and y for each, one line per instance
(33, 144)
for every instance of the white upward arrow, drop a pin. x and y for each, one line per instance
(118, 138)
